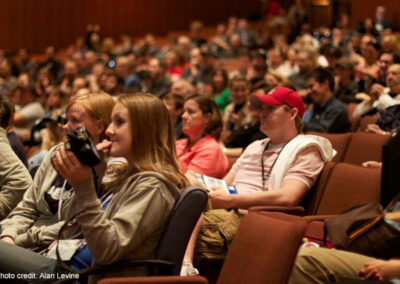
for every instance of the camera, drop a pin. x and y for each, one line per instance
(44, 122)
(81, 144)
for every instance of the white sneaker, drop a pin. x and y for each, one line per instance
(188, 269)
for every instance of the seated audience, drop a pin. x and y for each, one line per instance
(247, 133)
(48, 202)
(328, 114)
(306, 61)
(237, 114)
(14, 176)
(200, 152)
(385, 60)
(158, 82)
(127, 218)
(27, 112)
(346, 86)
(379, 97)
(7, 114)
(221, 93)
(174, 104)
(278, 170)
(389, 120)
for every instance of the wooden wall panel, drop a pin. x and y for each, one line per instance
(37, 23)
(361, 9)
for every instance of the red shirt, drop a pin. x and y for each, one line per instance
(204, 157)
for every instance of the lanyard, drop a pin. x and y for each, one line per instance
(263, 175)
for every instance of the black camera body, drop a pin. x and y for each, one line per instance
(81, 144)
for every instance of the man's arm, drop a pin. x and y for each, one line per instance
(289, 194)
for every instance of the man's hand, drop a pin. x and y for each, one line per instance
(8, 240)
(219, 198)
(372, 164)
(376, 91)
(363, 96)
(374, 128)
(381, 269)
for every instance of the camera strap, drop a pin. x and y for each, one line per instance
(60, 201)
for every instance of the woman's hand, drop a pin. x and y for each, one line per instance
(68, 166)
(103, 146)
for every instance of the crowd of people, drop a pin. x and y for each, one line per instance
(159, 115)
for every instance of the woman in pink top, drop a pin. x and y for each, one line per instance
(200, 152)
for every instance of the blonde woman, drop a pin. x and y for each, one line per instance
(126, 220)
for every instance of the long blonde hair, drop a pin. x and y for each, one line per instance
(98, 105)
(153, 140)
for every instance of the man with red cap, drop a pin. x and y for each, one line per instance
(278, 170)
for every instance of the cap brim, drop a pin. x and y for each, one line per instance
(258, 100)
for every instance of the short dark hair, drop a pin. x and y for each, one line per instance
(177, 99)
(321, 75)
(395, 55)
(6, 112)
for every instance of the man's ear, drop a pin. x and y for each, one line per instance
(294, 112)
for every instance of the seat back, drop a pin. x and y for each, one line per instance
(263, 250)
(340, 143)
(184, 216)
(349, 185)
(355, 121)
(368, 119)
(364, 147)
(314, 195)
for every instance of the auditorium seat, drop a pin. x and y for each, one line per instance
(255, 256)
(349, 185)
(368, 119)
(364, 147)
(339, 142)
(355, 121)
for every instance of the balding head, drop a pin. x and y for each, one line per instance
(393, 76)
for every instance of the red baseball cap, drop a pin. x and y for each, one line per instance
(283, 96)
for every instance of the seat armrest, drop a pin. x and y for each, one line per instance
(317, 217)
(296, 210)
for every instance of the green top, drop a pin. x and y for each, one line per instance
(223, 99)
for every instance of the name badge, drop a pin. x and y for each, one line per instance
(66, 249)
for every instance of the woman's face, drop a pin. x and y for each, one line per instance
(218, 80)
(193, 120)
(120, 133)
(239, 92)
(77, 117)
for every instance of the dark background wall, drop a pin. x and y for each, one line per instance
(324, 12)
(37, 23)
